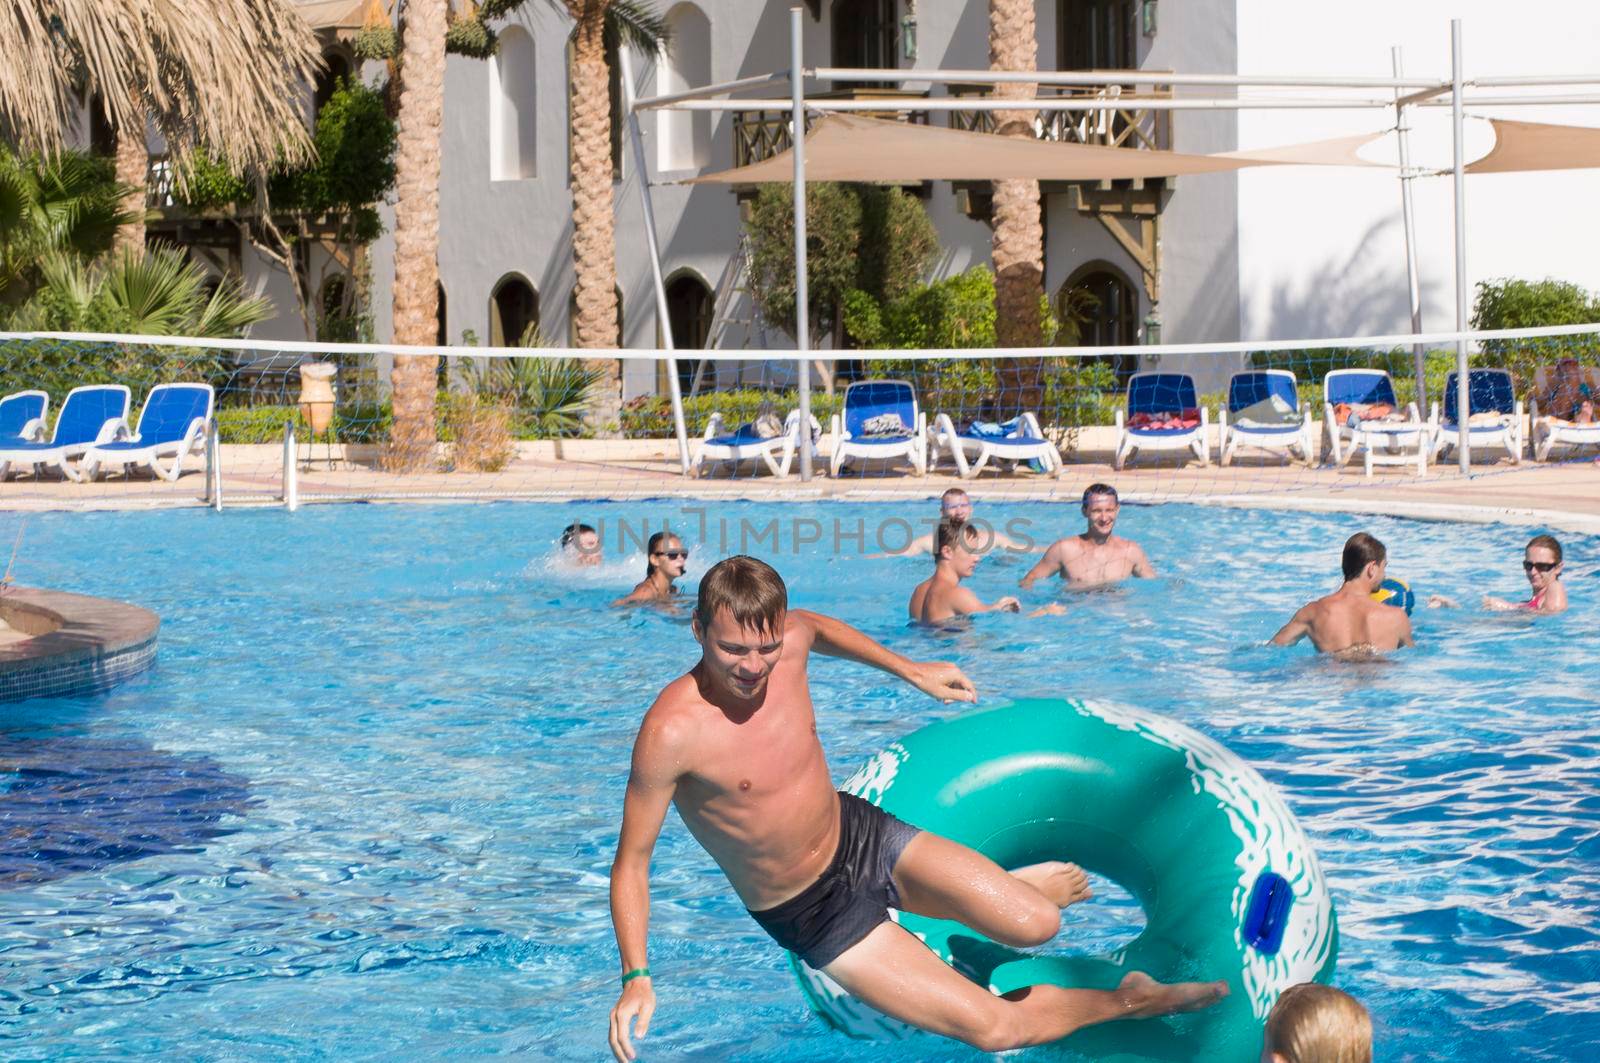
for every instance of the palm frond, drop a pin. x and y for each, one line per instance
(637, 24)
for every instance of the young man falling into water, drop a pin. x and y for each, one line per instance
(1098, 556)
(733, 745)
(1350, 622)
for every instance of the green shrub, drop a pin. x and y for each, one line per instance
(650, 416)
(1509, 303)
(264, 424)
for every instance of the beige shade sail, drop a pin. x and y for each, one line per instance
(1523, 146)
(331, 14)
(847, 147)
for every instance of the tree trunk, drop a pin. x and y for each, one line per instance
(416, 233)
(1018, 243)
(594, 246)
(132, 169)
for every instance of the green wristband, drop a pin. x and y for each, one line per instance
(637, 972)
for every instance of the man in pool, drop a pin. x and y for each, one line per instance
(942, 597)
(733, 746)
(580, 545)
(1097, 556)
(955, 504)
(1350, 622)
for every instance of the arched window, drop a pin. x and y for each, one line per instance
(689, 310)
(511, 107)
(441, 338)
(337, 67)
(1104, 305)
(513, 310)
(1096, 35)
(684, 137)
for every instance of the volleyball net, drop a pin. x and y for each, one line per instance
(92, 420)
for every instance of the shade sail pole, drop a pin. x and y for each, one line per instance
(1407, 210)
(802, 312)
(1463, 411)
(663, 319)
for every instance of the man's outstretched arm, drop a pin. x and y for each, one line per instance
(1045, 567)
(651, 784)
(1295, 630)
(835, 638)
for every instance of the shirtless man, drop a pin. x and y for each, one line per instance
(941, 596)
(1096, 557)
(733, 745)
(956, 505)
(665, 560)
(1350, 622)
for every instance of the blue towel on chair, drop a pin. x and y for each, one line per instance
(991, 430)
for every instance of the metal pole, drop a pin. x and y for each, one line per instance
(1413, 285)
(291, 487)
(214, 466)
(663, 319)
(802, 315)
(1463, 444)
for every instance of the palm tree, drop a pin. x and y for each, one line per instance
(1018, 243)
(601, 26)
(226, 75)
(65, 203)
(414, 379)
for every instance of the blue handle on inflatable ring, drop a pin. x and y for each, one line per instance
(1267, 915)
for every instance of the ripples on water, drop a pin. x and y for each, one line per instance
(366, 804)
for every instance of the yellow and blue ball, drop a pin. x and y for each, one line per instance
(1396, 592)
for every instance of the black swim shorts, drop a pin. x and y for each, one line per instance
(853, 895)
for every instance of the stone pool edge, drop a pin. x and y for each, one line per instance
(78, 644)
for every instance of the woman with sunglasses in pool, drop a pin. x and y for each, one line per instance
(1542, 564)
(665, 559)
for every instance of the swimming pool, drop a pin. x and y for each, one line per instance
(365, 804)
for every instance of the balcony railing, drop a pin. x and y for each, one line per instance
(160, 183)
(759, 135)
(1119, 124)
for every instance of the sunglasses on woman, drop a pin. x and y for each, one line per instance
(1539, 566)
(673, 555)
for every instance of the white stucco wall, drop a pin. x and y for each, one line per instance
(1322, 250)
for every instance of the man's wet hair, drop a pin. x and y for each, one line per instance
(572, 531)
(748, 588)
(1099, 489)
(953, 492)
(1361, 550)
(1312, 1023)
(950, 533)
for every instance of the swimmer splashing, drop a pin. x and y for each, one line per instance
(733, 746)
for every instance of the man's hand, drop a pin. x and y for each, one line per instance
(942, 680)
(1053, 609)
(1008, 604)
(638, 999)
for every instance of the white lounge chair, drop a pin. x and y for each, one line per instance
(746, 444)
(1263, 411)
(172, 424)
(22, 417)
(1400, 442)
(1492, 401)
(89, 415)
(1546, 432)
(1021, 440)
(1160, 395)
(880, 420)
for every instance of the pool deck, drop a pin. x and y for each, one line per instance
(1563, 496)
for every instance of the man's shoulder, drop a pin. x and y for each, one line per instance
(678, 703)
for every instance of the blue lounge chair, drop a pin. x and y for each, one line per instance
(746, 444)
(1168, 396)
(1401, 441)
(1273, 419)
(89, 415)
(22, 417)
(1492, 401)
(1016, 441)
(880, 420)
(172, 424)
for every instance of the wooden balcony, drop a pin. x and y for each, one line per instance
(759, 135)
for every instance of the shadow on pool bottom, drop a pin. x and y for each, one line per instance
(77, 805)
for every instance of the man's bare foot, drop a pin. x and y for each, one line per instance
(1144, 997)
(1065, 884)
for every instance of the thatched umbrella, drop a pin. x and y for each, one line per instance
(226, 74)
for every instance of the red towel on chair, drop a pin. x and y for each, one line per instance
(1166, 422)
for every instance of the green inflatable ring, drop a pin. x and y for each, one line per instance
(1228, 882)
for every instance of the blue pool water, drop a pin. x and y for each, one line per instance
(365, 805)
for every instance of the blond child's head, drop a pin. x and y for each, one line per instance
(1314, 1023)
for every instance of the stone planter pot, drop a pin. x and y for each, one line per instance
(316, 395)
